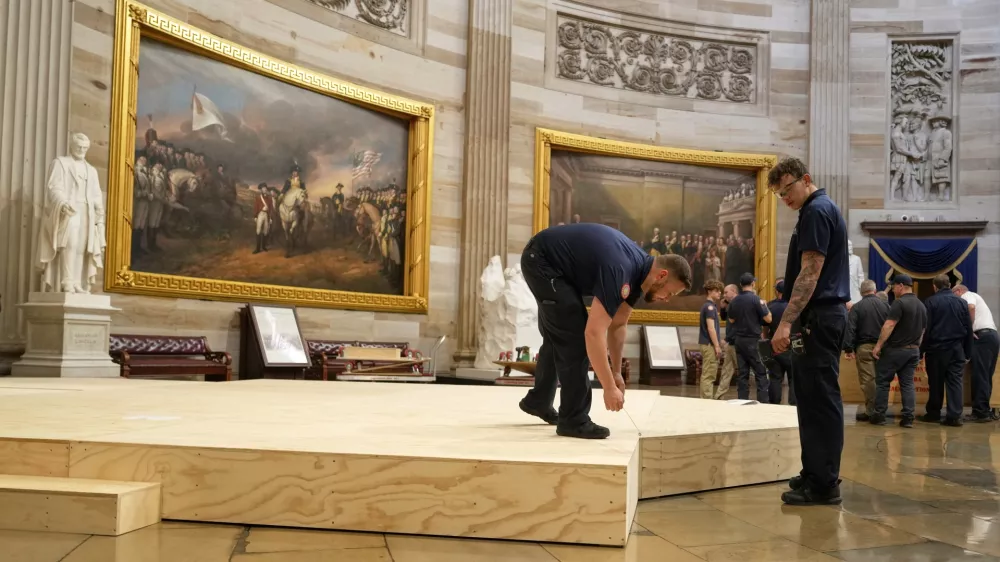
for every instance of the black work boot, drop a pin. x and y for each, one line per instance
(586, 430)
(808, 496)
(549, 416)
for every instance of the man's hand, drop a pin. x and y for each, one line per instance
(614, 400)
(876, 351)
(782, 338)
(619, 383)
(718, 352)
(849, 355)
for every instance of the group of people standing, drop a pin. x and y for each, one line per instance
(749, 319)
(954, 326)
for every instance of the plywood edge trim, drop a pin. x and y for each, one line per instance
(357, 456)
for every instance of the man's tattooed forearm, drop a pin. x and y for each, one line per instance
(805, 284)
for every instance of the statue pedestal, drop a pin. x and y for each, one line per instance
(68, 336)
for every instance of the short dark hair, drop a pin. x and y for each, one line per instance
(713, 285)
(678, 267)
(791, 166)
(942, 282)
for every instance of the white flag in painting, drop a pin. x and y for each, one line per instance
(363, 162)
(204, 114)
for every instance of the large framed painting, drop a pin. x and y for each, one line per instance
(237, 176)
(711, 207)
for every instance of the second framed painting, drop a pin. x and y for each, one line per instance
(237, 176)
(713, 208)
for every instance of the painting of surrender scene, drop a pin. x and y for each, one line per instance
(245, 178)
(705, 213)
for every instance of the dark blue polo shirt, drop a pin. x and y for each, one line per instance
(747, 315)
(948, 323)
(709, 313)
(821, 228)
(777, 308)
(598, 260)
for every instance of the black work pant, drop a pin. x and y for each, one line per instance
(819, 404)
(899, 363)
(778, 368)
(985, 348)
(748, 359)
(945, 367)
(562, 359)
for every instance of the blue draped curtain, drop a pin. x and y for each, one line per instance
(923, 258)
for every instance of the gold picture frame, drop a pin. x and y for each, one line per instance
(767, 205)
(135, 21)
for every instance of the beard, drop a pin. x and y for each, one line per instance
(651, 293)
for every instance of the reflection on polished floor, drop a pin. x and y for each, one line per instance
(926, 494)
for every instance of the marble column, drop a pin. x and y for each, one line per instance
(829, 99)
(487, 141)
(34, 66)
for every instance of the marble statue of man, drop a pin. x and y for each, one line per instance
(71, 241)
(857, 273)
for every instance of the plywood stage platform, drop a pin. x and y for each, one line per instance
(448, 460)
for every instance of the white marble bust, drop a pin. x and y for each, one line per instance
(72, 239)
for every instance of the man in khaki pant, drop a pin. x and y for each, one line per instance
(864, 324)
(710, 354)
(710, 338)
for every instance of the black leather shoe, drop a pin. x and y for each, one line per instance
(877, 419)
(795, 483)
(588, 430)
(952, 422)
(929, 418)
(808, 496)
(550, 417)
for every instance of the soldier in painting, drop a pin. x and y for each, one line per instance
(263, 208)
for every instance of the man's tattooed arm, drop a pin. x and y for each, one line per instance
(805, 284)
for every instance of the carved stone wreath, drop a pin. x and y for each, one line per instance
(387, 14)
(654, 63)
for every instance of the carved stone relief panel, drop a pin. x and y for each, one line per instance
(394, 23)
(387, 14)
(921, 134)
(655, 62)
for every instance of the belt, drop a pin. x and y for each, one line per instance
(905, 347)
(984, 330)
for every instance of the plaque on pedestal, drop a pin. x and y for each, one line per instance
(68, 336)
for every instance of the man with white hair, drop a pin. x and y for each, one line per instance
(985, 347)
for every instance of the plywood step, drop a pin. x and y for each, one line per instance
(77, 505)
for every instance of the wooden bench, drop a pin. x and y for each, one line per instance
(329, 361)
(149, 356)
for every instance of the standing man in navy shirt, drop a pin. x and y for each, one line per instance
(710, 338)
(817, 282)
(562, 265)
(946, 346)
(780, 366)
(749, 314)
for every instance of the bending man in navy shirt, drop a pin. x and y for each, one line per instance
(817, 282)
(562, 265)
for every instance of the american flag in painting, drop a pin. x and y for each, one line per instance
(363, 163)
